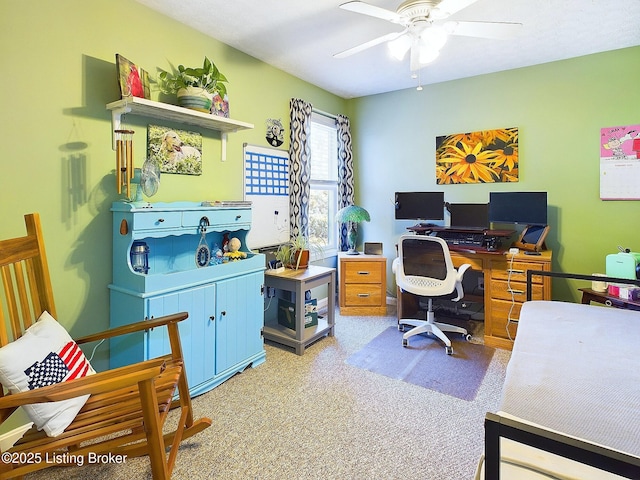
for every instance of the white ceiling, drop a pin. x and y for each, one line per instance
(301, 36)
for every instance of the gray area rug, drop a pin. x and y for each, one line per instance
(425, 363)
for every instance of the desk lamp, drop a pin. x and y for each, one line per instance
(352, 214)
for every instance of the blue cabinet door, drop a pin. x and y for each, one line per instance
(239, 320)
(197, 333)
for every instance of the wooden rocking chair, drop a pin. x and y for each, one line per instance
(127, 406)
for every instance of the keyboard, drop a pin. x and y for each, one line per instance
(462, 239)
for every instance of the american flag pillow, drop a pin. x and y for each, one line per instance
(45, 355)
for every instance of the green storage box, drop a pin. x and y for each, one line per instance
(287, 313)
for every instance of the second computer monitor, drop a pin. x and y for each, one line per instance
(525, 208)
(469, 215)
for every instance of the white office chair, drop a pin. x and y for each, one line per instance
(424, 267)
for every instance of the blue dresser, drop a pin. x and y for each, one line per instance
(223, 334)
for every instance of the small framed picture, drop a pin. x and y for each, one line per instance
(129, 78)
(146, 89)
(175, 151)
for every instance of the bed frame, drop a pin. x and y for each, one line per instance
(499, 427)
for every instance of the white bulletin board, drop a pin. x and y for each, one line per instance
(266, 185)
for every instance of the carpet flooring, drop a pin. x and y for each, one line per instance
(317, 417)
(424, 362)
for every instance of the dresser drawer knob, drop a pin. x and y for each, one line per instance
(363, 273)
(363, 295)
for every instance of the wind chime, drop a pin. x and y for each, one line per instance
(124, 160)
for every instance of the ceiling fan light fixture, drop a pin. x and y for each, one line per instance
(399, 47)
(427, 55)
(434, 37)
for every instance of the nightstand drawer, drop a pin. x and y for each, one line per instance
(363, 272)
(363, 284)
(363, 295)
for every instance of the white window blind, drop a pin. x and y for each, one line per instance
(323, 201)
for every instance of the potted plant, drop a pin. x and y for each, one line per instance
(194, 87)
(296, 252)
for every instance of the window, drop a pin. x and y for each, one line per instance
(323, 201)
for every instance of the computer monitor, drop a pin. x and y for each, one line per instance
(526, 208)
(469, 215)
(419, 206)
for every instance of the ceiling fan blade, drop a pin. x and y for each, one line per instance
(371, 43)
(497, 30)
(449, 7)
(372, 11)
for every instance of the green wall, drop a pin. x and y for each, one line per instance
(58, 74)
(559, 109)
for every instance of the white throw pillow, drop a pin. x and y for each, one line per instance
(45, 355)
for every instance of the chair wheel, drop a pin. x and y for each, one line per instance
(467, 337)
(405, 342)
(401, 327)
(449, 350)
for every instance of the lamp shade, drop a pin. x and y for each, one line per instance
(352, 213)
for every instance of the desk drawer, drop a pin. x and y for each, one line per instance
(500, 311)
(500, 290)
(476, 263)
(363, 295)
(500, 269)
(363, 272)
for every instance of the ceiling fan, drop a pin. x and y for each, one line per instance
(425, 31)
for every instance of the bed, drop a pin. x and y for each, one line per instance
(570, 406)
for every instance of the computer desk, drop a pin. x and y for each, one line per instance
(505, 288)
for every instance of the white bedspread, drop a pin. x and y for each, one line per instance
(576, 369)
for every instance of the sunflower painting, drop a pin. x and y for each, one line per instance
(487, 156)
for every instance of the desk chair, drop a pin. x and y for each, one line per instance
(424, 267)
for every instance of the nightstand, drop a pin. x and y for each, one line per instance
(363, 284)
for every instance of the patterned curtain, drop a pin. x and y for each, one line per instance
(345, 173)
(299, 166)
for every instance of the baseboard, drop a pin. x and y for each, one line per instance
(8, 439)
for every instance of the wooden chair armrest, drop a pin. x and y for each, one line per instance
(91, 384)
(134, 327)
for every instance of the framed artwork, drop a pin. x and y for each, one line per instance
(275, 132)
(220, 105)
(129, 78)
(486, 156)
(175, 151)
(144, 78)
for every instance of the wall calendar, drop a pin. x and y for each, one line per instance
(620, 163)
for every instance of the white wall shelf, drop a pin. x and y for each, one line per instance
(174, 113)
